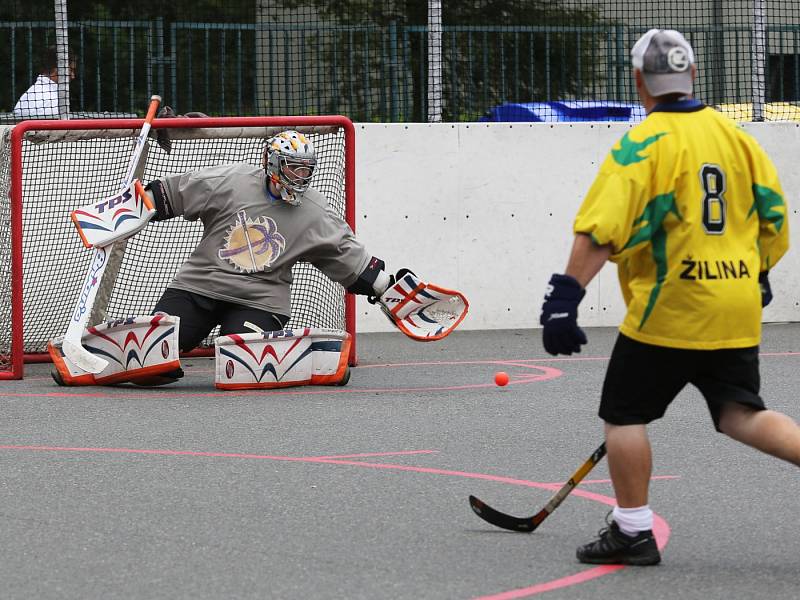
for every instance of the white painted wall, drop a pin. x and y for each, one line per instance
(487, 209)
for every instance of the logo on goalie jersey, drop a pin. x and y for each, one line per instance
(252, 245)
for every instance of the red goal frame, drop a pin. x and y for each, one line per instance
(18, 357)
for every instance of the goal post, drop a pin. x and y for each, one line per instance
(49, 168)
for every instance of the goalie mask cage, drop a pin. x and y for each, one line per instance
(49, 168)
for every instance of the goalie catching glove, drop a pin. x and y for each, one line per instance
(423, 311)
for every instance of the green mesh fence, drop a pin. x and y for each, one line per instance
(384, 60)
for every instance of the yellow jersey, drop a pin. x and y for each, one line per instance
(693, 210)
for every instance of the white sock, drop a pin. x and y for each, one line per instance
(633, 520)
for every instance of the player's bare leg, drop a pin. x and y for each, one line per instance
(629, 462)
(628, 539)
(767, 430)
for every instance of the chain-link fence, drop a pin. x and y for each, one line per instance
(387, 60)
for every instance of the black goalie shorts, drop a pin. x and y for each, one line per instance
(200, 314)
(642, 380)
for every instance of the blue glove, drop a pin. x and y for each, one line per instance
(561, 334)
(766, 289)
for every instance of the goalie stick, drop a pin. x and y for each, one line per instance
(71, 344)
(529, 524)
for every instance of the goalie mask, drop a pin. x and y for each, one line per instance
(289, 160)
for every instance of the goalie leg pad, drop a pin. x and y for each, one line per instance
(276, 359)
(141, 350)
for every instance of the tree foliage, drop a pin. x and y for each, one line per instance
(230, 11)
(364, 58)
(515, 61)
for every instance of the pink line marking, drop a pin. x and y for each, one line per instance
(523, 362)
(59, 395)
(372, 454)
(156, 452)
(329, 391)
(199, 454)
(660, 527)
(505, 363)
(555, 584)
(544, 374)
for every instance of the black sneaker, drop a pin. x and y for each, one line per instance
(615, 548)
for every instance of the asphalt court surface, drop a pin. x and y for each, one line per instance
(361, 492)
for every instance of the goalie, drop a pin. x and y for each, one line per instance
(259, 222)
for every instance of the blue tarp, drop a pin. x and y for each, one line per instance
(566, 111)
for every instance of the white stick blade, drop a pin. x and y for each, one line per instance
(83, 358)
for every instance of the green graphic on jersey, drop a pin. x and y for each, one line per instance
(765, 202)
(628, 152)
(651, 229)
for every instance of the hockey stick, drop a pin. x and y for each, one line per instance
(71, 344)
(529, 524)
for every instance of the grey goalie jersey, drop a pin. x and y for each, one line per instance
(251, 240)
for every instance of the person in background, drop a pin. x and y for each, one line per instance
(40, 101)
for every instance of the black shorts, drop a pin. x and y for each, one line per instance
(200, 314)
(643, 379)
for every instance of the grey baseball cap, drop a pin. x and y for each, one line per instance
(665, 59)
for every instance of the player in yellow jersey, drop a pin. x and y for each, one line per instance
(690, 209)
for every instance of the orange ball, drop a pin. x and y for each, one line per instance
(501, 378)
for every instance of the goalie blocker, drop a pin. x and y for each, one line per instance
(115, 218)
(140, 350)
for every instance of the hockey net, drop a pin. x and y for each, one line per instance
(49, 168)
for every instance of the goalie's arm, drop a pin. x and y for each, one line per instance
(373, 280)
(336, 252)
(190, 195)
(157, 190)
